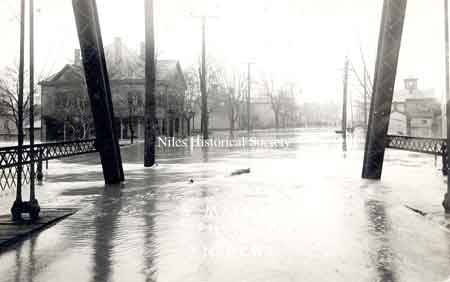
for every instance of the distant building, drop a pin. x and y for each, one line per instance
(126, 74)
(415, 112)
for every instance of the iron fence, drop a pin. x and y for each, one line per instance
(434, 146)
(43, 152)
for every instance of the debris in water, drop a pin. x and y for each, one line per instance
(240, 171)
(416, 210)
(191, 181)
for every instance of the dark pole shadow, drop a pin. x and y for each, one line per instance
(149, 241)
(379, 228)
(107, 209)
(32, 264)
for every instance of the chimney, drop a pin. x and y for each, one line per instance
(142, 51)
(118, 48)
(77, 57)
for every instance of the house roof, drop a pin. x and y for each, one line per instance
(123, 64)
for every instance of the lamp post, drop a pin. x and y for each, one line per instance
(446, 202)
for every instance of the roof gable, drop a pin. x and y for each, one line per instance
(68, 74)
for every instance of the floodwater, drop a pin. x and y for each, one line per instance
(303, 213)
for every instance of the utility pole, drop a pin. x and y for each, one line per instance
(203, 85)
(99, 90)
(17, 207)
(390, 35)
(344, 106)
(150, 78)
(365, 99)
(249, 87)
(446, 202)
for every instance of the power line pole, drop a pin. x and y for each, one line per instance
(365, 99)
(99, 90)
(249, 87)
(150, 77)
(17, 207)
(203, 85)
(446, 202)
(344, 106)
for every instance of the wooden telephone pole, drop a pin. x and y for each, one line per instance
(390, 35)
(150, 78)
(249, 88)
(344, 106)
(365, 100)
(203, 86)
(99, 90)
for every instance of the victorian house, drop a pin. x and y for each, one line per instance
(66, 110)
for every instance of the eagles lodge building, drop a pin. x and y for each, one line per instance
(66, 110)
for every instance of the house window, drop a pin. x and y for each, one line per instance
(6, 125)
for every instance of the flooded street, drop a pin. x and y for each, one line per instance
(303, 213)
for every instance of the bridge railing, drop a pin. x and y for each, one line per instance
(434, 146)
(43, 152)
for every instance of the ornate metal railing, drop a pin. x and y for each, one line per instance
(43, 152)
(46, 151)
(435, 146)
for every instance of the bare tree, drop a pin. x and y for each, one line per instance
(9, 91)
(275, 98)
(192, 95)
(192, 99)
(234, 87)
(72, 107)
(282, 99)
(365, 85)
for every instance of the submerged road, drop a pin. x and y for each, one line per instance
(303, 213)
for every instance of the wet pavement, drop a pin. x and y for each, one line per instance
(303, 213)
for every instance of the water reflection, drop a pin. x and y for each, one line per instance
(149, 240)
(25, 268)
(32, 264)
(107, 211)
(379, 230)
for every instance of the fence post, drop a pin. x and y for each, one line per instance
(444, 160)
(39, 174)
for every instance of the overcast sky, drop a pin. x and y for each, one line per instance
(301, 40)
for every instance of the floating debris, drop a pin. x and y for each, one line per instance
(240, 171)
(416, 210)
